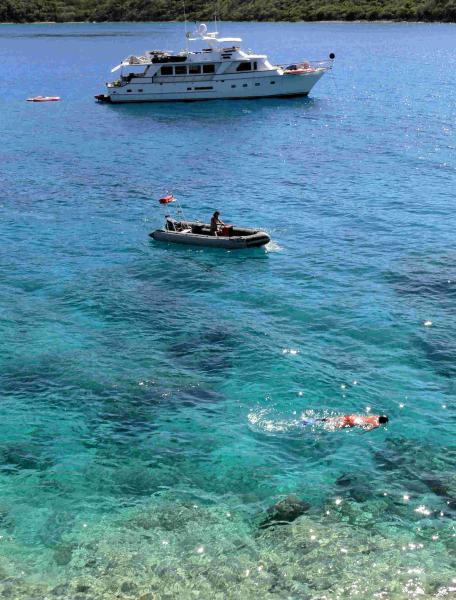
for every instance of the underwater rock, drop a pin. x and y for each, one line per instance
(6, 520)
(451, 503)
(60, 590)
(209, 349)
(196, 395)
(344, 480)
(441, 352)
(7, 591)
(355, 487)
(440, 487)
(128, 587)
(423, 280)
(136, 479)
(388, 459)
(55, 526)
(285, 511)
(361, 493)
(63, 554)
(435, 484)
(16, 457)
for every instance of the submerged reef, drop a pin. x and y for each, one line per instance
(173, 549)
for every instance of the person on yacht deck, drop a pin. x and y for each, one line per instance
(215, 222)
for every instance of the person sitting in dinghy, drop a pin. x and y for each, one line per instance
(171, 224)
(215, 222)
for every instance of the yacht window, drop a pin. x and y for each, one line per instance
(194, 69)
(257, 84)
(233, 86)
(208, 68)
(128, 90)
(255, 65)
(244, 85)
(166, 71)
(140, 90)
(272, 82)
(181, 70)
(244, 66)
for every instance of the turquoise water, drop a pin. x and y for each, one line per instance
(150, 395)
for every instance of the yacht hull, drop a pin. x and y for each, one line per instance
(139, 90)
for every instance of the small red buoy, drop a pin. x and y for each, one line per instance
(167, 199)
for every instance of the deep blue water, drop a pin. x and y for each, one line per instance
(150, 394)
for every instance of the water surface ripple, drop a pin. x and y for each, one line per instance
(151, 395)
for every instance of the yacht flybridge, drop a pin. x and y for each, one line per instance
(220, 70)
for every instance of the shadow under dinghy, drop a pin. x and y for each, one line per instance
(199, 234)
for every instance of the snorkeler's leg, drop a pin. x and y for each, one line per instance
(307, 421)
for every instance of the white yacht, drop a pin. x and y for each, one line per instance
(220, 70)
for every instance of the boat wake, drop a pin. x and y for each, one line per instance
(263, 420)
(273, 246)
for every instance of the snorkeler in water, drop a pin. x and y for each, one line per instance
(365, 422)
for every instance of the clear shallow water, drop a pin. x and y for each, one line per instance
(150, 394)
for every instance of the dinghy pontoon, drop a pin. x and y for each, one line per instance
(199, 234)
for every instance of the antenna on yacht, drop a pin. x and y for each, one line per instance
(215, 15)
(185, 25)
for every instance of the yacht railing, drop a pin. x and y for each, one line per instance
(310, 64)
